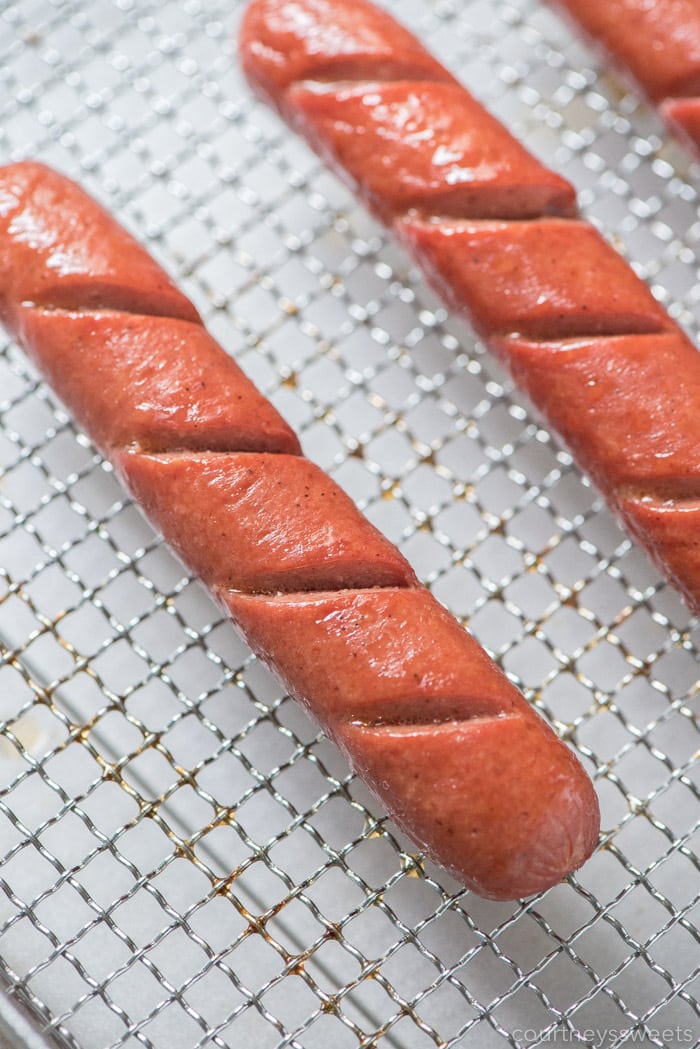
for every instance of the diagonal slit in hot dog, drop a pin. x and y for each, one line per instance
(352, 655)
(448, 744)
(158, 383)
(377, 134)
(498, 236)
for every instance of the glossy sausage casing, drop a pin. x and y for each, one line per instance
(498, 237)
(447, 743)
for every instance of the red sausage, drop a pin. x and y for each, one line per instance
(161, 385)
(53, 253)
(447, 743)
(578, 330)
(279, 50)
(657, 43)
(428, 146)
(591, 390)
(428, 723)
(273, 522)
(550, 278)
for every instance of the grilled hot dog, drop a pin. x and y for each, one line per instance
(499, 238)
(458, 757)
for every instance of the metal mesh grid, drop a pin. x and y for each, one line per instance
(184, 861)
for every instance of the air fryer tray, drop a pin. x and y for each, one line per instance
(185, 862)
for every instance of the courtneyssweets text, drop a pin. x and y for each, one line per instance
(601, 1037)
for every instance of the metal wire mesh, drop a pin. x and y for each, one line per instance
(184, 861)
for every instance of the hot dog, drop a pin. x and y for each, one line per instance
(448, 744)
(658, 46)
(499, 237)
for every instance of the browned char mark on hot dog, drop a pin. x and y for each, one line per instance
(498, 236)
